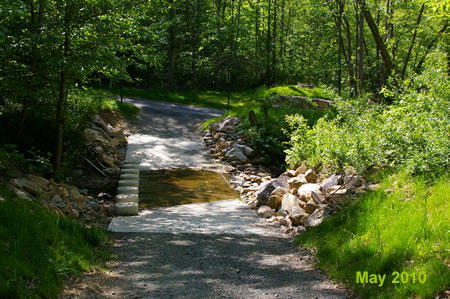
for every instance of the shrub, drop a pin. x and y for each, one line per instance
(412, 133)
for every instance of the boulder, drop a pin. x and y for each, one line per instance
(223, 145)
(289, 173)
(352, 181)
(276, 197)
(297, 182)
(218, 135)
(304, 192)
(102, 124)
(119, 135)
(21, 194)
(265, 211)
(330, 182)
(229, 124)
(42, 182)
(289, 202)
(297, 215)
(318, 197)
(235, 154)
(372, 187)
(336, 194)
(310, 176)
(249, 152)
(311, 206)
(266, 189)
(301, 170)
(75, 195)
(110, 161)
(315, 218)
(27, 185)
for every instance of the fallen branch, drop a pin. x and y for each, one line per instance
(93, 165)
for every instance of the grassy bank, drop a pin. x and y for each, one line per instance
(38, 249)
(401, 227)
(240, 101)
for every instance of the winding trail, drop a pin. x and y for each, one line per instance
(209, 250)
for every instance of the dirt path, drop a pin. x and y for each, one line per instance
(197, 250)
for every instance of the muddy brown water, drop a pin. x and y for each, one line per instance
(162, 188)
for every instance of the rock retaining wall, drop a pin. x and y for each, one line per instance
(104, 139)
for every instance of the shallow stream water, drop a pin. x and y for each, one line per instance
(162, 188)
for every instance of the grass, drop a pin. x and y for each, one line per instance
(403, 227)
(40, 249)
(240, 101)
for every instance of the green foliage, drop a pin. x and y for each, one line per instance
(403, 226)
(413, 133)
(40, 249)
(10, 159)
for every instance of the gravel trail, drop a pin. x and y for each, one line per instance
(182, 263)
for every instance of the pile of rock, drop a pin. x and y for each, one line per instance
(106, 143)
(63, 199)
(225, 142)
(104, 138)
(296, 199)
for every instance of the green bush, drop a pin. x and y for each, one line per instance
(412, 133)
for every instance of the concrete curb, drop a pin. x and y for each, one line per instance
(127, 198)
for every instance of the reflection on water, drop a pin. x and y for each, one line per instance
(163, 188)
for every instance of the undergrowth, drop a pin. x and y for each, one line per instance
(403, 227)
(39, 250)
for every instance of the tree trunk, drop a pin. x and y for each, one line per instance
(62, 96)
(171, 49)
(268, 48)
(430, 45)
(35, 30)
(361, 54)
(405, 65)
(274, 46)
(340, 45)
(349, 53)
(389, 66)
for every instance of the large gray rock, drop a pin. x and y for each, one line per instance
(304, 192)
(352, 181)
(266, 189)
(298, 216)
(310, 176)
(27, 186)
(235, 154)
(297, 182)
(330, 182)
(229, 124)
(301, 170)
(276, 197)
(318, 197)
(315, 218)
(265, 211)
(311, 206)
(289, 202)
(249, 152)
(102, 124)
